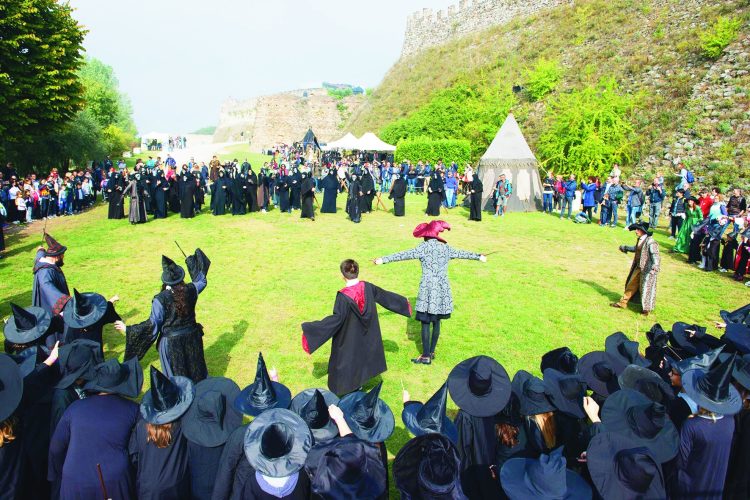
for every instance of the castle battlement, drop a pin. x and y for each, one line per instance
(427, 28)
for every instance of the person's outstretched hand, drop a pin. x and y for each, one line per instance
(406, 396)
(120, 326)
(591, 409)
(114, 299)
(273, 374)
(482, 258)
(378, 261)
(335, 413)
(52, 355)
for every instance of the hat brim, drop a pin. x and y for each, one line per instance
(369, 484)
(629, 379)
(12, 386)
(212, 434)
(600, 459)
(242, 401)
(410, 420)
(527, 407)
(695, 347)
(738, 335)
(586, 370)
(99, 306)
(16, 336)
(730, 406)
(287, 464)
(154, 416)
(130, 387)
(664, 446)
(552, 380)
(384, 420)
(26, 360)
(513, 481)
(56, 253)
(330, 430)
(486, 405)
(82, 371)
(406, 470)
(168, 280)
(742, 377)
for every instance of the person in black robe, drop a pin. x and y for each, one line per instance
(219, 194)
(148, 181)
(367, 187)
(161, 459)
(50, 287)
(85, 315)
(295, 188)
(307, 193)
(330, 185)
(161, 188)
(352, 200)
(251, 195)
(357, 353)
(265, 188)
(434, 194)
(115, 186)
(398, 194)
(475, 193)
(76, 361)
(282, 189)
(239, 186)
(174, 196)
(134, 189)
(187, 205)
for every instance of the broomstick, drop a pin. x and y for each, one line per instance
(181, 250)
(101, 482)
(380, 203)
(315, 199)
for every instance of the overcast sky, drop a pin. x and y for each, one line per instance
(178, 60)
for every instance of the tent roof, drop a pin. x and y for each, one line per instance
(346, 142)
(310, 139)
(371, 142)
(509, 144)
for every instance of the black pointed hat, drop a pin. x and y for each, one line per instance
(480, 386)
(623, 352)
(703, 361)
(11, 386)
(711, 387)
(738, 336)
(26, 324)
(532, 395)
(567, 391)
(312, 405)
(545, 477)
(171, 273)
(657, 336)
(168, 399)
(346, 468)
(368, 416)
(263, 394)
(53, 247)
(693, 339)
(277, 443)
(598, 373)
(741, 315)
(561, 359)
(112, 377)
(647, 382)
(211, 418)
(430, 417)
(85, 309)
(77, 360)
(429, 467)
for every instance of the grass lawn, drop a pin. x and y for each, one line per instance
(549, 284)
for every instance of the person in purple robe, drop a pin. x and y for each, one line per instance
(50, 289)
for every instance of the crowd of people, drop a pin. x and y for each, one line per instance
(710, 226)
(669, 421)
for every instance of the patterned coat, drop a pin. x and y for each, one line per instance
(648, 261)
(434, 296)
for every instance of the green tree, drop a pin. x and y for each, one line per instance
(543, 78)
(103, 97)
(40, 53)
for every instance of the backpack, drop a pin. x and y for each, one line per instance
(619, 195)
(690, 177)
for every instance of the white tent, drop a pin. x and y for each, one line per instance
(509, 154)
(347, 142)
(371, 142)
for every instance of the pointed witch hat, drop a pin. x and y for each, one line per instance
(368, 416)
(430, 417)
(263, 394)
(85, 309)
(26, 324)
(168, 399)
(312, 405)
(53, 247)
(711, 387)
(171, 272)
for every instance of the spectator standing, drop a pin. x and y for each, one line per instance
(677, 213)
(655, 196)
(548, 192)
(569, 195)
(635, 202)
(588, 198)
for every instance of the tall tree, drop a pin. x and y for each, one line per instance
(40, 54)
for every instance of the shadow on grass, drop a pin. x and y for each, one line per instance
(609, 294)
(390, 346)
(22, 299)
(414, 330)
(320, 369)
(218, 352)
(21, 249)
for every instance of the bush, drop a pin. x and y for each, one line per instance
(116, 140)
(715, 39)
(588, 130)
(542, 79)
(432, 150)
(340, 93)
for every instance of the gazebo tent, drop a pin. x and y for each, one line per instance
(509, 154)
(310, 140)
(347, 142)
(371, 142)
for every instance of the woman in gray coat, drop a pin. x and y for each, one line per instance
(434, 299)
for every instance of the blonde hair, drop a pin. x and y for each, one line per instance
(546, 423)
(159, 434)
(7, 431)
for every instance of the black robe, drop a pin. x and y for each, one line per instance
(161, 473)
(204, 464)
(93, 331)
(398, 193)
(307, 193)
(174, 196)
(239, 186)
(357, 353)
(475, 207)
(353, 202)
(160, 197)
(233, 468)
(115, 185)
(251, 195)
(187, 207)
(330, 185)
(434, 196)
(219, 195)
(149, 180)
(477, 442)
(295, 189)
(367, 187)
(251, 490)
(282, 188)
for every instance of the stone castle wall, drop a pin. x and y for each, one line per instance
(427, 28)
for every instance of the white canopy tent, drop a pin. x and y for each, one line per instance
(371, 142)
(510, 154)
(347, 142)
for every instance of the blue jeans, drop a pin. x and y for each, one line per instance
(654, 210)
(633, 214)
(449, 200)
(613, 212)
(567, 200)
(547, 204)
(412, 184)
(385, 186)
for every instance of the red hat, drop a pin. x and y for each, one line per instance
(53, 247)
(432, 230)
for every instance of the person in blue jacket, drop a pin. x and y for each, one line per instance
(569, 195)
(589, 198)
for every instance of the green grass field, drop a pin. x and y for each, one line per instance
(549, 284)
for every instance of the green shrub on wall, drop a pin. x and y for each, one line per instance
(542, 78)
(432, 150)
(716, 38)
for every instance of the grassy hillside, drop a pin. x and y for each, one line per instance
(652, 48)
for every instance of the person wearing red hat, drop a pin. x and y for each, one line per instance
(434, 299)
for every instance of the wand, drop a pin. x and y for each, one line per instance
(181, 250)
(101, 482)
